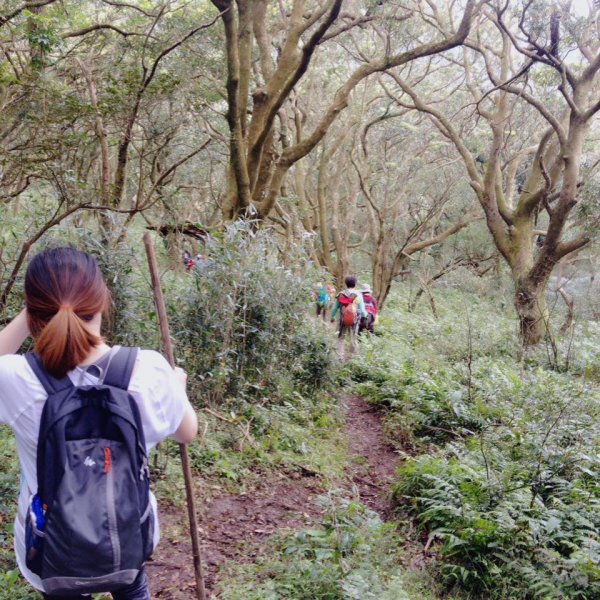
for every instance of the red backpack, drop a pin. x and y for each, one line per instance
(348, 307)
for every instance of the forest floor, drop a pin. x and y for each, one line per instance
(234, 527)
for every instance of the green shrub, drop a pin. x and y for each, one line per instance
(12, 585)
(352, 555)
(503, 477)
(427, 407)
(240, 321)
(500, 528)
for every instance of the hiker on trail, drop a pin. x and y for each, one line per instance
(200, 261)
(349, 303)
(331, 291)
(368, 323)
(322, 298)
(86, 521)
(188, 261)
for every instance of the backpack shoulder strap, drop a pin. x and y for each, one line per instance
(51, 384)
(120, 368)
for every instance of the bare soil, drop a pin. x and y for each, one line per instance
(374, 461)
(235, 527)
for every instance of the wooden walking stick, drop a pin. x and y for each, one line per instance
(185, 460)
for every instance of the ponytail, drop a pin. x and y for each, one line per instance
(64, 342)
(63, 289)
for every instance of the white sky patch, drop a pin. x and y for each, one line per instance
(580, 7)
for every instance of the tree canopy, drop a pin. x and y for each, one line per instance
(368, 132)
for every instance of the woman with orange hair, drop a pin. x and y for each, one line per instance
(65, 298)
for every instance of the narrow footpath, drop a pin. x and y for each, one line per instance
(234, 527)
(374, 461)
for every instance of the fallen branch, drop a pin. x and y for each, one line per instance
(245, 430)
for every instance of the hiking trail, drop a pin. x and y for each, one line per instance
(234, 527)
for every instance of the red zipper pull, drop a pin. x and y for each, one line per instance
(107, 460)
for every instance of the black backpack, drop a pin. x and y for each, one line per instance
(90, 526)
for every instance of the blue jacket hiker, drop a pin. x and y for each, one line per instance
(322, 295)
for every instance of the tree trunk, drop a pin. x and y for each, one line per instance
(380, 273)
(383, 277)
(532, 310)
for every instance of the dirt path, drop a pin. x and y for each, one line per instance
(234, 527)
(373, 460)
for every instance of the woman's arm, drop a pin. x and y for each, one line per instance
(188, 428)
(14, 334)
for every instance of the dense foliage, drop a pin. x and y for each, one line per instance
(352, 556)
(446, 152)
(241, 322)
(501, 470)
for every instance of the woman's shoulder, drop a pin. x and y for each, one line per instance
(13, 366)
(151, 359)
(19, 388)
(151, 366)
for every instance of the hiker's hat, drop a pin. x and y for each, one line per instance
(366, 288)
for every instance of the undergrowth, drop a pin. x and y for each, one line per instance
(350, 555)
(501, 447)
(260, 371)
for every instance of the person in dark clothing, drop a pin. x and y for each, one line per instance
(368, 323)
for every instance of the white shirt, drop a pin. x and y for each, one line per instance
(160, 397)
